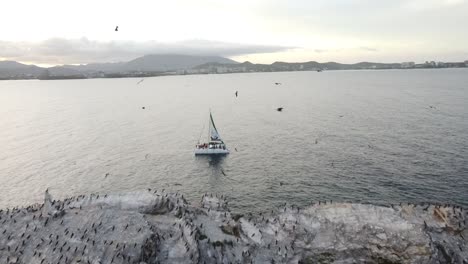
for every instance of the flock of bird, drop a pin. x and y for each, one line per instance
(159, 227)
(279, 109)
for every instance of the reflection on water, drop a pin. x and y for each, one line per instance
(215, 164)
(367, 136)
(215, 161)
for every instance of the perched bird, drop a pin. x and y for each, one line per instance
(117, 28)
(236, 93)
(279, 109)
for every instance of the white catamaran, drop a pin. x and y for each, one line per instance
(215, 145)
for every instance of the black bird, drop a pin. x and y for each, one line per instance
(279, 109)
(277, 83)
(236, 93)
(107, 174)
(143, 107)
(117, 28)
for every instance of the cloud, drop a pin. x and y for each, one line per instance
(432, 4)
(349, 50)
(369, 49)
(83, 50)
(320, 50)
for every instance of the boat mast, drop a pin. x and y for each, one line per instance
(209, 127)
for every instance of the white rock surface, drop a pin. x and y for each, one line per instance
(157, 227)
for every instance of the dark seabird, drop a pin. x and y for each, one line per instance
(143, 107)
(279, 109)
(277, 83)
(236, 93)
(117, 28)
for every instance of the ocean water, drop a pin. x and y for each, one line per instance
(364, 136)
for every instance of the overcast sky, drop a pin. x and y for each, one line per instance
(50, 32)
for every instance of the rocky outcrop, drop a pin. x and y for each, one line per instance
(159, 227)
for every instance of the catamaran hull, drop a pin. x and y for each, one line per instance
(211, 151)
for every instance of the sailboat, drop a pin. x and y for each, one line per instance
(215, 145)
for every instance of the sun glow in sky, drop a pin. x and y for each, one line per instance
(261, 31)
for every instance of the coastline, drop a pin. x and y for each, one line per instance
(158, 227)
(162, 74)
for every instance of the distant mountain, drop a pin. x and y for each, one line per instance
(151, 63)
(97, 67)
(171, 62)
(165, 64)
(148, 64)
(18, 70)
(294, 66)
(61, 71)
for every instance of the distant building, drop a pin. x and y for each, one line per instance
(407, 65)
(221, 69)
(430, 64)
